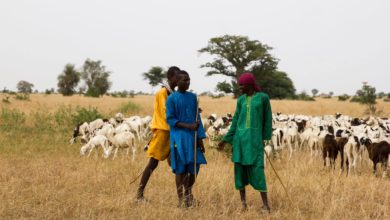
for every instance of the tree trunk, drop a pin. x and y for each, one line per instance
(236, 91)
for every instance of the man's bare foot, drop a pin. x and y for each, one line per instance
(191, 202)
(140, 197)
(181, 204)
(265, 210)
(244, 207)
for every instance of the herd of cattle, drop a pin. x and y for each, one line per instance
(355, 139)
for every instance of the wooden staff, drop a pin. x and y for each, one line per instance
(196, 134)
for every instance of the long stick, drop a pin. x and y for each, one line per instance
(135, 179)
(280, 180)
(196, 134)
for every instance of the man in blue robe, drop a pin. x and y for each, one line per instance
(181, 109)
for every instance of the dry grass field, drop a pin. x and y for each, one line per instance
(43, 177)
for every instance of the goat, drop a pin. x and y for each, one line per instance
(378, 153)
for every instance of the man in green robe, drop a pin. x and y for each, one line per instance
(251, 125)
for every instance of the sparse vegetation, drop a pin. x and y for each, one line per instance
(304, 97)
(129, 108)
(85, 114)
(344, 97)
(366, 96)
(6, 100)
(22, 97)
(44, 177)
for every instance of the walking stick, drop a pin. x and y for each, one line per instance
(280, 180)
(196, 134)
(135, 178)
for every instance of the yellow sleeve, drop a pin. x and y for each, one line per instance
(159, 120)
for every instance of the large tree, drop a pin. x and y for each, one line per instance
(96, 77)
(155, 75)
(275, 83)
(68, 80)
(24, 86)
(233, 55)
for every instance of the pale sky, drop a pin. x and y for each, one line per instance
(331, 45)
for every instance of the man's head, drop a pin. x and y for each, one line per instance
(247, 83)
(171, 76)
(183, 81)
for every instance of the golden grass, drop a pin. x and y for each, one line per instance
(109, 105)
(47, 179)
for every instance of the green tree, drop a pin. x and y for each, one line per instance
(24, 87)
(233, 55)
(275, 83)
(96, 77)
(68, 80)
(304, 96)
(380, 95)
(155, 75)
(314, 92)
(367, 96)
(224, 87)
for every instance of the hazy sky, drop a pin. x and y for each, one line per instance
(331, 45)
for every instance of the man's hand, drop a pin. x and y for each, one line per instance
(221, 145)
(193, 126)
(201, 145)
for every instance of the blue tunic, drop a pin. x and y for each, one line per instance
(182, 107)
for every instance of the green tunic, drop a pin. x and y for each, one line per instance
(251, 125)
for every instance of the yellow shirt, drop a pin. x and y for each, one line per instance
(159, 120)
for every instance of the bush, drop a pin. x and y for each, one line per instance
(64, 117)
(217, 96)
(304, 97)
(6, 100)
(122, 94)
(93, 92)
(355, 99)
(23, 97)
(129, 108)
(49, 91)
(11, 118)
(381, 95)
(85, 115)
(42, 121)
(344, 97)
(132, 94)
(113, 94)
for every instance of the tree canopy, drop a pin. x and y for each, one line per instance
(233, 55)
(24, 86)
(96, 77)
(155, 75)
(68, 80)
(275, 83)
